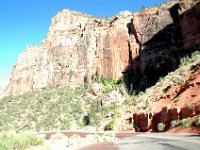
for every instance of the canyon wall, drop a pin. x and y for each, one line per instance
(163, 36)
(80, 48)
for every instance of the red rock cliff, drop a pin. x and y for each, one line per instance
(79, 47)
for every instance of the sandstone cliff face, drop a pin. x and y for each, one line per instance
(79, 48)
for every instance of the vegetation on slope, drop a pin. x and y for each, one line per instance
(64, 108)
(143, 100)
(43, 110)
(60, 108)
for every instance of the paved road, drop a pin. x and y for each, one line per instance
(152, 141)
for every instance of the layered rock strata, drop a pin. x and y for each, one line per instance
(80, 48)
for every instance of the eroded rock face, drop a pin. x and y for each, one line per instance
(160, 35)
(31, 72)
(79, 48)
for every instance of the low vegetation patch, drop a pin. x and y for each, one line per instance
(19, 141)
(161, 126)
(184, 121)
(112, 123)
(174, 123)
(59, 108)
(177, 123)
(197, 123)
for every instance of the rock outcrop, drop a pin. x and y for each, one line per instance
(148, 121)
(80, 48)
(177, 102)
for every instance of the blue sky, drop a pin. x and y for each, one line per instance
(26, 22)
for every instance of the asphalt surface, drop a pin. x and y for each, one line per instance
(152, 141)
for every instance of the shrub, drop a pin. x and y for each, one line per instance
(198, 121)
(12, 140)
(161, 126)
(86, 120)
(108, 81)
(184, 121)
(112, 123)
(174, 123)
(110, 126)
(4, 145)
(86, 79)
(6, 140)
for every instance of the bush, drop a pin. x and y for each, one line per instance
(161, 126)
(110, 126)
(46, 109)
(6, 140)
(86, 120)
(12, 140)
(112, 123)
(108, 81)
(197, 123)
(184, 121)
(174, 123)
(4, 145)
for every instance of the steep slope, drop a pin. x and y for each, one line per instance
(80, 48)
(173, 98)
(106, 105)
(88, 107)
